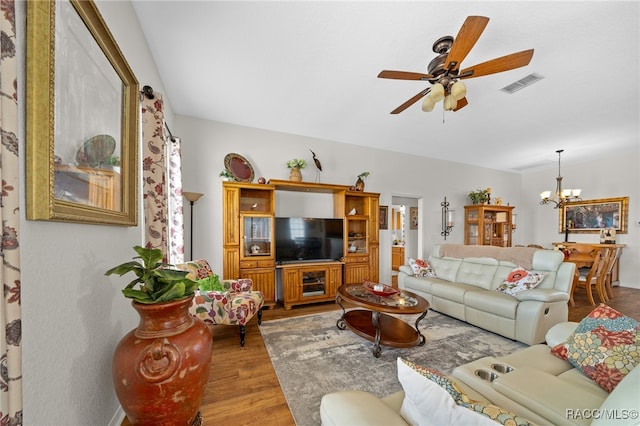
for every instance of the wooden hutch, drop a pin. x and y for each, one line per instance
(249, 242)
(489, 225)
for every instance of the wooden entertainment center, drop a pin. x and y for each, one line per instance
(249, 245)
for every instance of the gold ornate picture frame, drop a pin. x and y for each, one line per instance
(81, 118)
(591, 216)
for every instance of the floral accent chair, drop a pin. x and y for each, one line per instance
(236, 305)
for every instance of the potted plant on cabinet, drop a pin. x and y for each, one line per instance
(360, 182)
(296, 165)
(161, 368)
(479, 196)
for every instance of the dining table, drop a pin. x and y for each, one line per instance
(585, 260)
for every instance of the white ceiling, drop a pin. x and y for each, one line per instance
(309, 68)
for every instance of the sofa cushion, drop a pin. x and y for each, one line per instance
(446, 268)
(477, 271)
(433, 399)
(605, 346)
(519, 279)
(451, 291)
(421, 268)
(498, 304)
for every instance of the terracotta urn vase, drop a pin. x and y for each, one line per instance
(359, 184)
(295, 174)
(161, 368)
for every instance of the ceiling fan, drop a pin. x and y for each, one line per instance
(444, 70)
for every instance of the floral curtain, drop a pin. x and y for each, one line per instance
(162, 183)
(176, 216)
(10, 320)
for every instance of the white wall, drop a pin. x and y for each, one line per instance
(72, 315)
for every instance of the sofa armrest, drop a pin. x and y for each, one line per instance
(406, 269)
(543, 295)
(357, 408)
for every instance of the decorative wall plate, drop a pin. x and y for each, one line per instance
(239, 167)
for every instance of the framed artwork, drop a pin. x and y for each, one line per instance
(413, 218)
(592, 216)
(81, 118)
(384, 217)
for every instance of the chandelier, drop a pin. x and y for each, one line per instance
(561, 196)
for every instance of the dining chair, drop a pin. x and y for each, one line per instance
(605, 282)
(590, 277)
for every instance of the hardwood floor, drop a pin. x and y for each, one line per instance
(243, 387)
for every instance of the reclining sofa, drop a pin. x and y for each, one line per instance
(532, 383)
(462, 280)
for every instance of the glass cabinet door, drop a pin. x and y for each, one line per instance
(257, 236)
(472, 228)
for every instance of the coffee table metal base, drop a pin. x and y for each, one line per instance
(382, 329)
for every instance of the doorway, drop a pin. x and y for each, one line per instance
(405, 234)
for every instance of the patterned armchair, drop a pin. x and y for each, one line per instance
(236, 305)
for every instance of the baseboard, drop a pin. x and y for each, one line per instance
(118, 417)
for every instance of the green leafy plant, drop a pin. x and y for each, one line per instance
(157, 281)
(225, 174)
(210, 283)
(363, 175)
(296, 162)
(479, 196)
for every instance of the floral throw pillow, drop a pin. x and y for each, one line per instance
(519, 279)
(605, 346)
(421, 268)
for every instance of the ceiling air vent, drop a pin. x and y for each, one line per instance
(522, 83)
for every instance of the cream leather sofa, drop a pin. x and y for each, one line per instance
(465, 288)
(541, 388)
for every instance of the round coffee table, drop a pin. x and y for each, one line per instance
(373, 324)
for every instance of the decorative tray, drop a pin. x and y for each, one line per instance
(386, 291)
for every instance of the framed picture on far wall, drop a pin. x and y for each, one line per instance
(592, 216)
(413, 218)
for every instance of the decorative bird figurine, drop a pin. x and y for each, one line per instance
(318, 165)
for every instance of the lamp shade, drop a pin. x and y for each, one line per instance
(428, 104)
(437, 92)
(192, 196)
(450, 218)
(449, 103)
(458, 90)
(545, 195)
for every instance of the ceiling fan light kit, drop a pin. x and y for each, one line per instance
(437, 92)
(428, 104)
(444, 70)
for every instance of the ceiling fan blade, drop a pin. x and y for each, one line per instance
(461, 104)
(504, 63)
(465, 40)
(404, 75)
(411, 101)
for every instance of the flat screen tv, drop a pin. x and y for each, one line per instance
(303, 239)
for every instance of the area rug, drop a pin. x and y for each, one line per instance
(313, 357)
